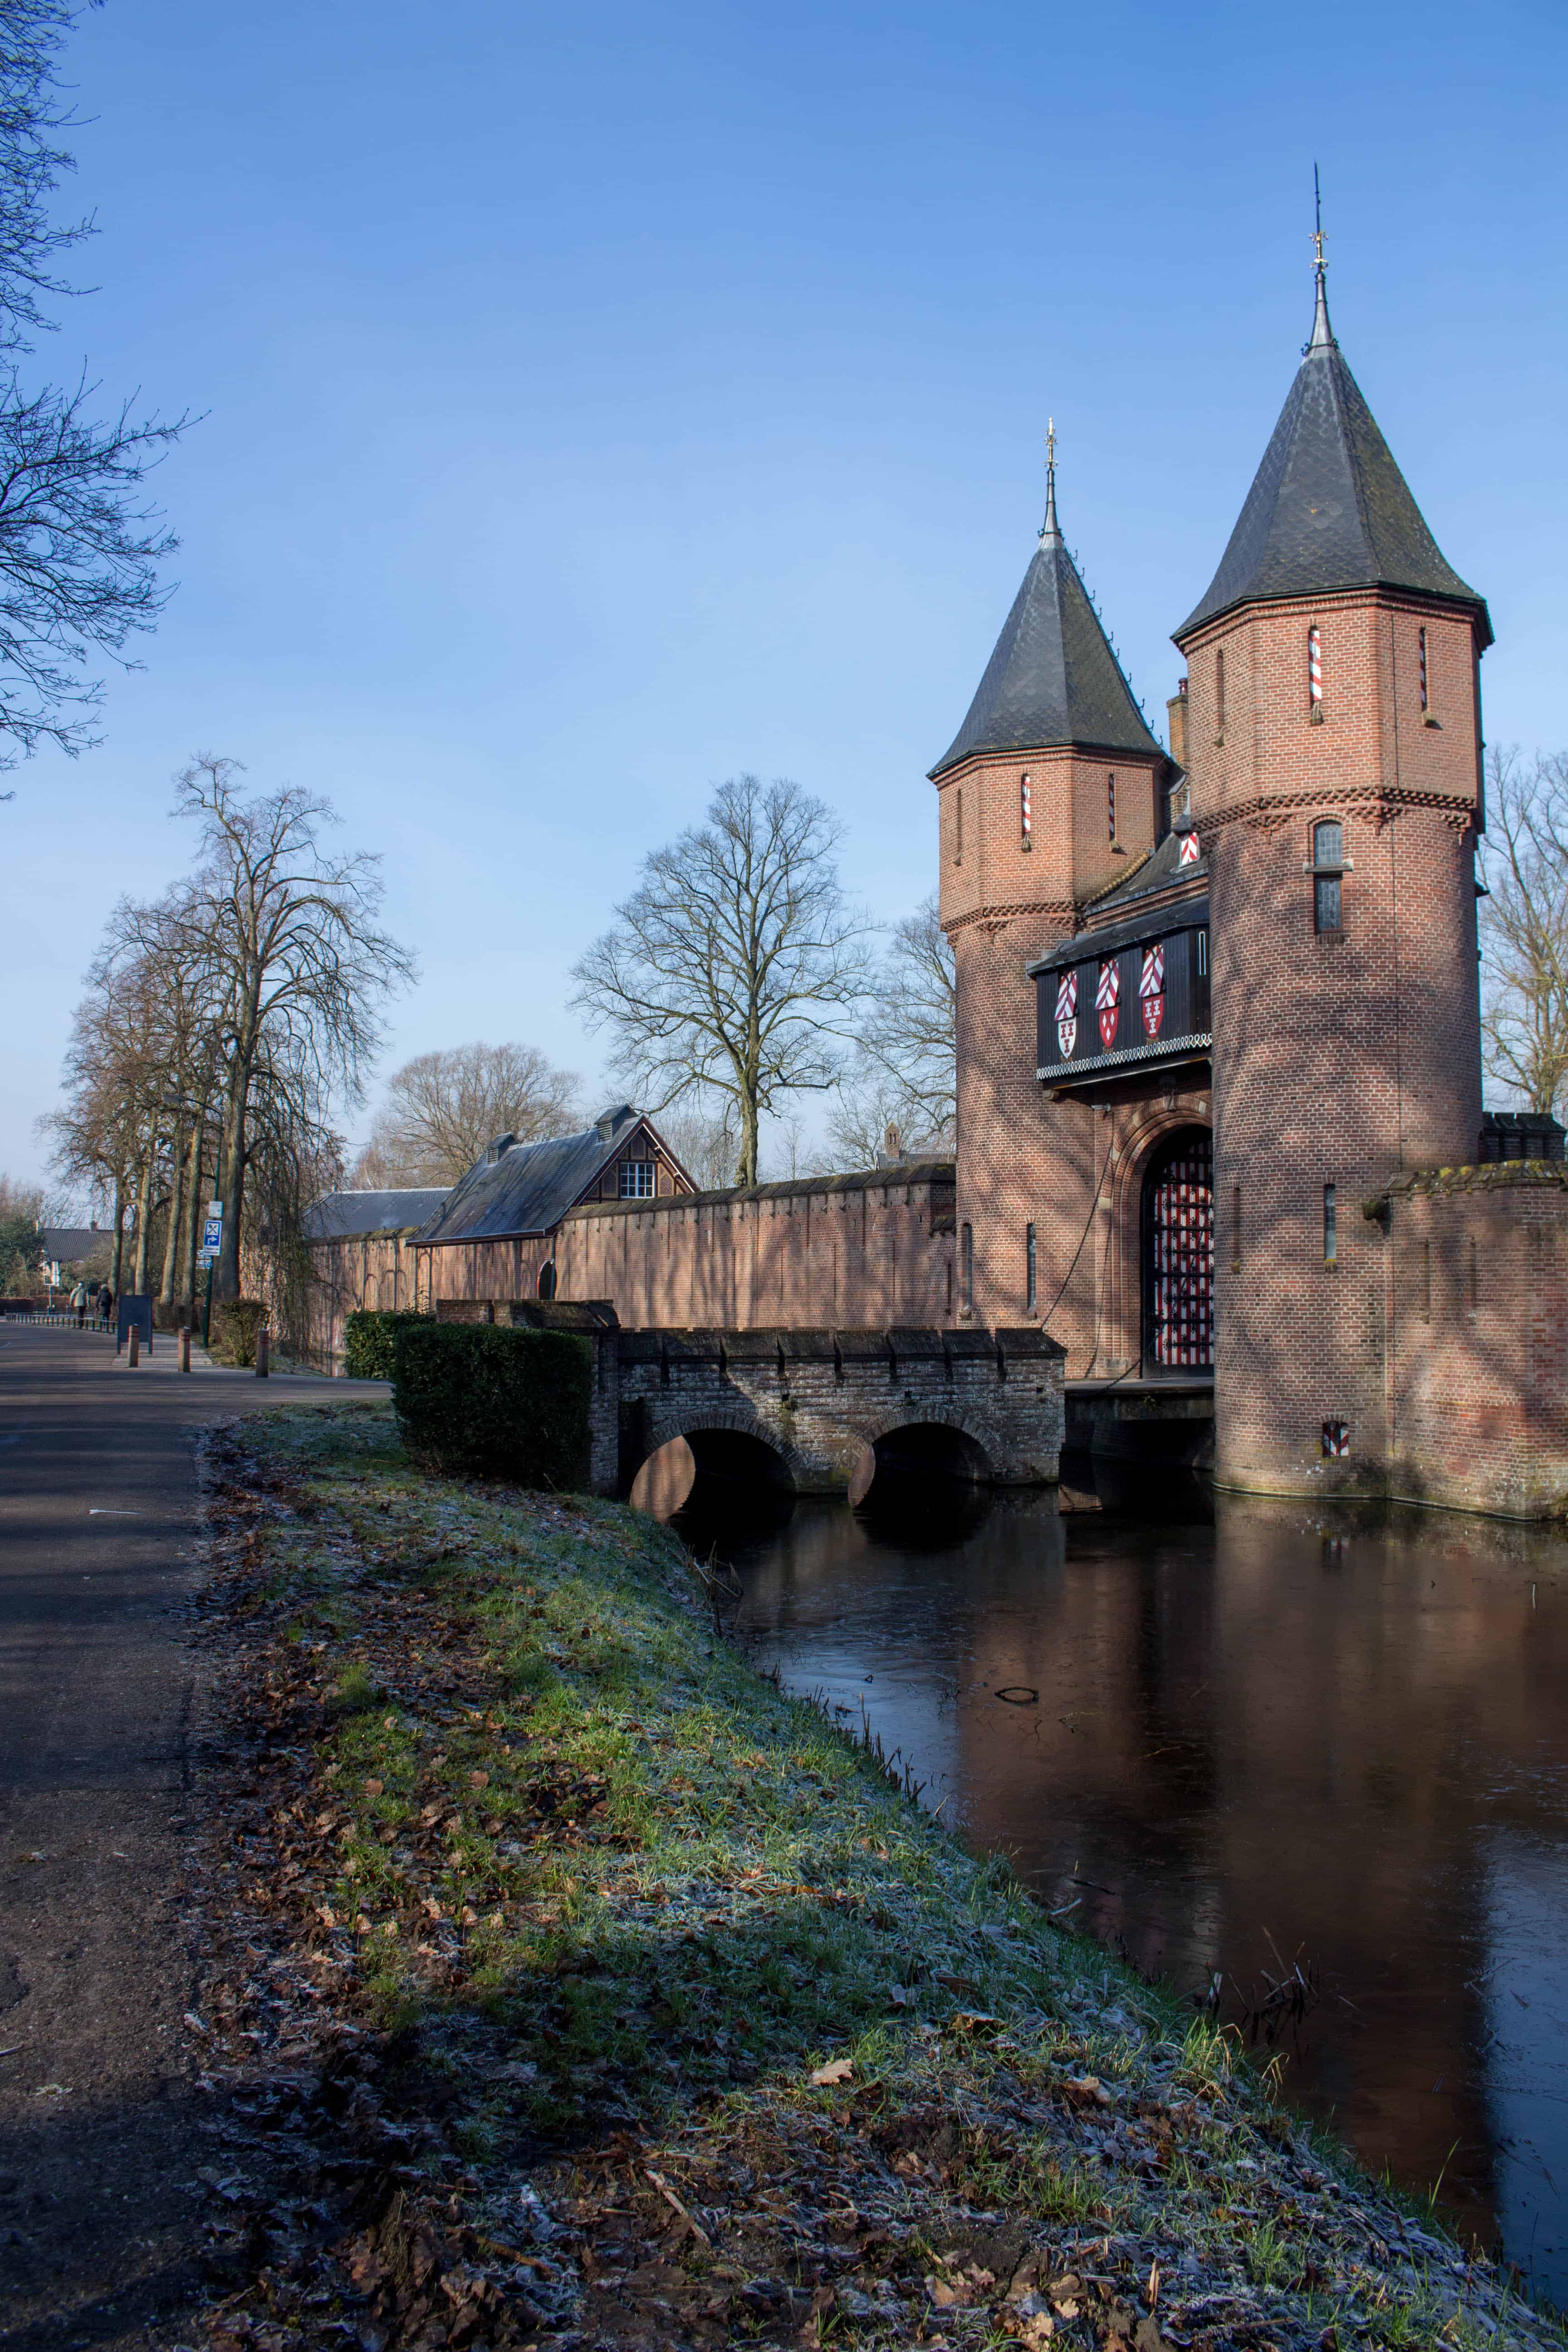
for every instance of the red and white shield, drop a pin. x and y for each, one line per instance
(1151, 990)
(1067, 1013)
(1189, 852)
(1108, 1001)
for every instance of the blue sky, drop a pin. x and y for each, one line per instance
(602, 401)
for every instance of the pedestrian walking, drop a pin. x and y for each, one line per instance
(78, 1300)
(106, 1306)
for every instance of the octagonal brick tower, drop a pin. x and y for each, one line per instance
(1051, 792)
(1334, 734)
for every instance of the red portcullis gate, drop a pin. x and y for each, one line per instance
(1178, 1255)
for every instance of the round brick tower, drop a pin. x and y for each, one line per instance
(1333, 732)
(1050, 793)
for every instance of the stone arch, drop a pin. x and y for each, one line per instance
(920, 1447)
(693, 1417)
(1119, 1338)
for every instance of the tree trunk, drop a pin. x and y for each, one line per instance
(746, 1173)
(196, 1192)
(230, 1191)
(176, 1213)
(144, 1199)
(118, 1261)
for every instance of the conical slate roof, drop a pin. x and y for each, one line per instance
(1053, 677)
(1329, 508)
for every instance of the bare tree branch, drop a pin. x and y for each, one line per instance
(733, 970)
(441, 1109)
(1524, 926)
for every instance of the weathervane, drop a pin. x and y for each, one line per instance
(1050, 522)
(1318, 221)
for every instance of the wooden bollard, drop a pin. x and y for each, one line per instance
(135, 1345)
(184, 1349)
(262, 1340)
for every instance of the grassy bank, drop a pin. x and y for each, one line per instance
(568, 1984)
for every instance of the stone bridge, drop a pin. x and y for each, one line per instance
(981, 1405)
(827, 1406)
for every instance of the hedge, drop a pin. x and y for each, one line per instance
(490, 1397)
(368, 1336)
(234, 1325)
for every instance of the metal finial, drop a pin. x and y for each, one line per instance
(1050, 525)
(1322, 335)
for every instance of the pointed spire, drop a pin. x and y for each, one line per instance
(1322, 335)
(1328, 509)
(1054, 678)
(1050, 528)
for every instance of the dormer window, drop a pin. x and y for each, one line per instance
(1328, 868)
(1314, 676)
(637, 1179)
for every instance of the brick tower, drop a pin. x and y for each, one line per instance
(1052, 791)
(1333, 747)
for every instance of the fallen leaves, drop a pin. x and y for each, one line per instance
(836, 2070)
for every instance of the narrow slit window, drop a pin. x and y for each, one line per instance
(958, 826)
(1328, 866)
(1425, 1282)
(1110, 804)
(1025, 813)
(1422, 652)
(1314, 673)
(1203, 952)
(1031, 1272)
(1220, 695)
(965, 1268)
(1331, 1226)
(1236, 1229)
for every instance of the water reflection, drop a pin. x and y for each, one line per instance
(1331, 1735)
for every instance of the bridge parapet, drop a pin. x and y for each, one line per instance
(817, 1398)
(820, 1398)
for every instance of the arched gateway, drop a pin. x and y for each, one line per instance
(1178, 1255)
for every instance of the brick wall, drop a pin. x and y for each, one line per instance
(1476, 1262)
(873, 1249)
(1337, 1060)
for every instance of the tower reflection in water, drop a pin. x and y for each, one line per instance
(1277, 1732)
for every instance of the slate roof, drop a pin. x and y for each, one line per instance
(1162, 870)
(1053, 677)
(1329, 508)
(71, 1243)
(530, 1186)
(351, 1216)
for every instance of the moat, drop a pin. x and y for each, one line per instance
(1238, 1739)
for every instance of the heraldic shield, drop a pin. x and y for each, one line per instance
(1067, 1013)
(1108, 1001)
(1151, 991)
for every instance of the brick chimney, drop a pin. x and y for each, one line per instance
(1176, 711)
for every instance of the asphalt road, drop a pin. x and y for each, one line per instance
(99, 2117)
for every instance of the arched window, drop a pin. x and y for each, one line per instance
(1023, 814)
(547, 1278)
(1328, 868)
(1314, 675)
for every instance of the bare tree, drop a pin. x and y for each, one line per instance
(705, 1142)
(905, 1074)
(1525, 925)
(290, 935)
(441, 1109)
(80, 549)
(734, 968)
